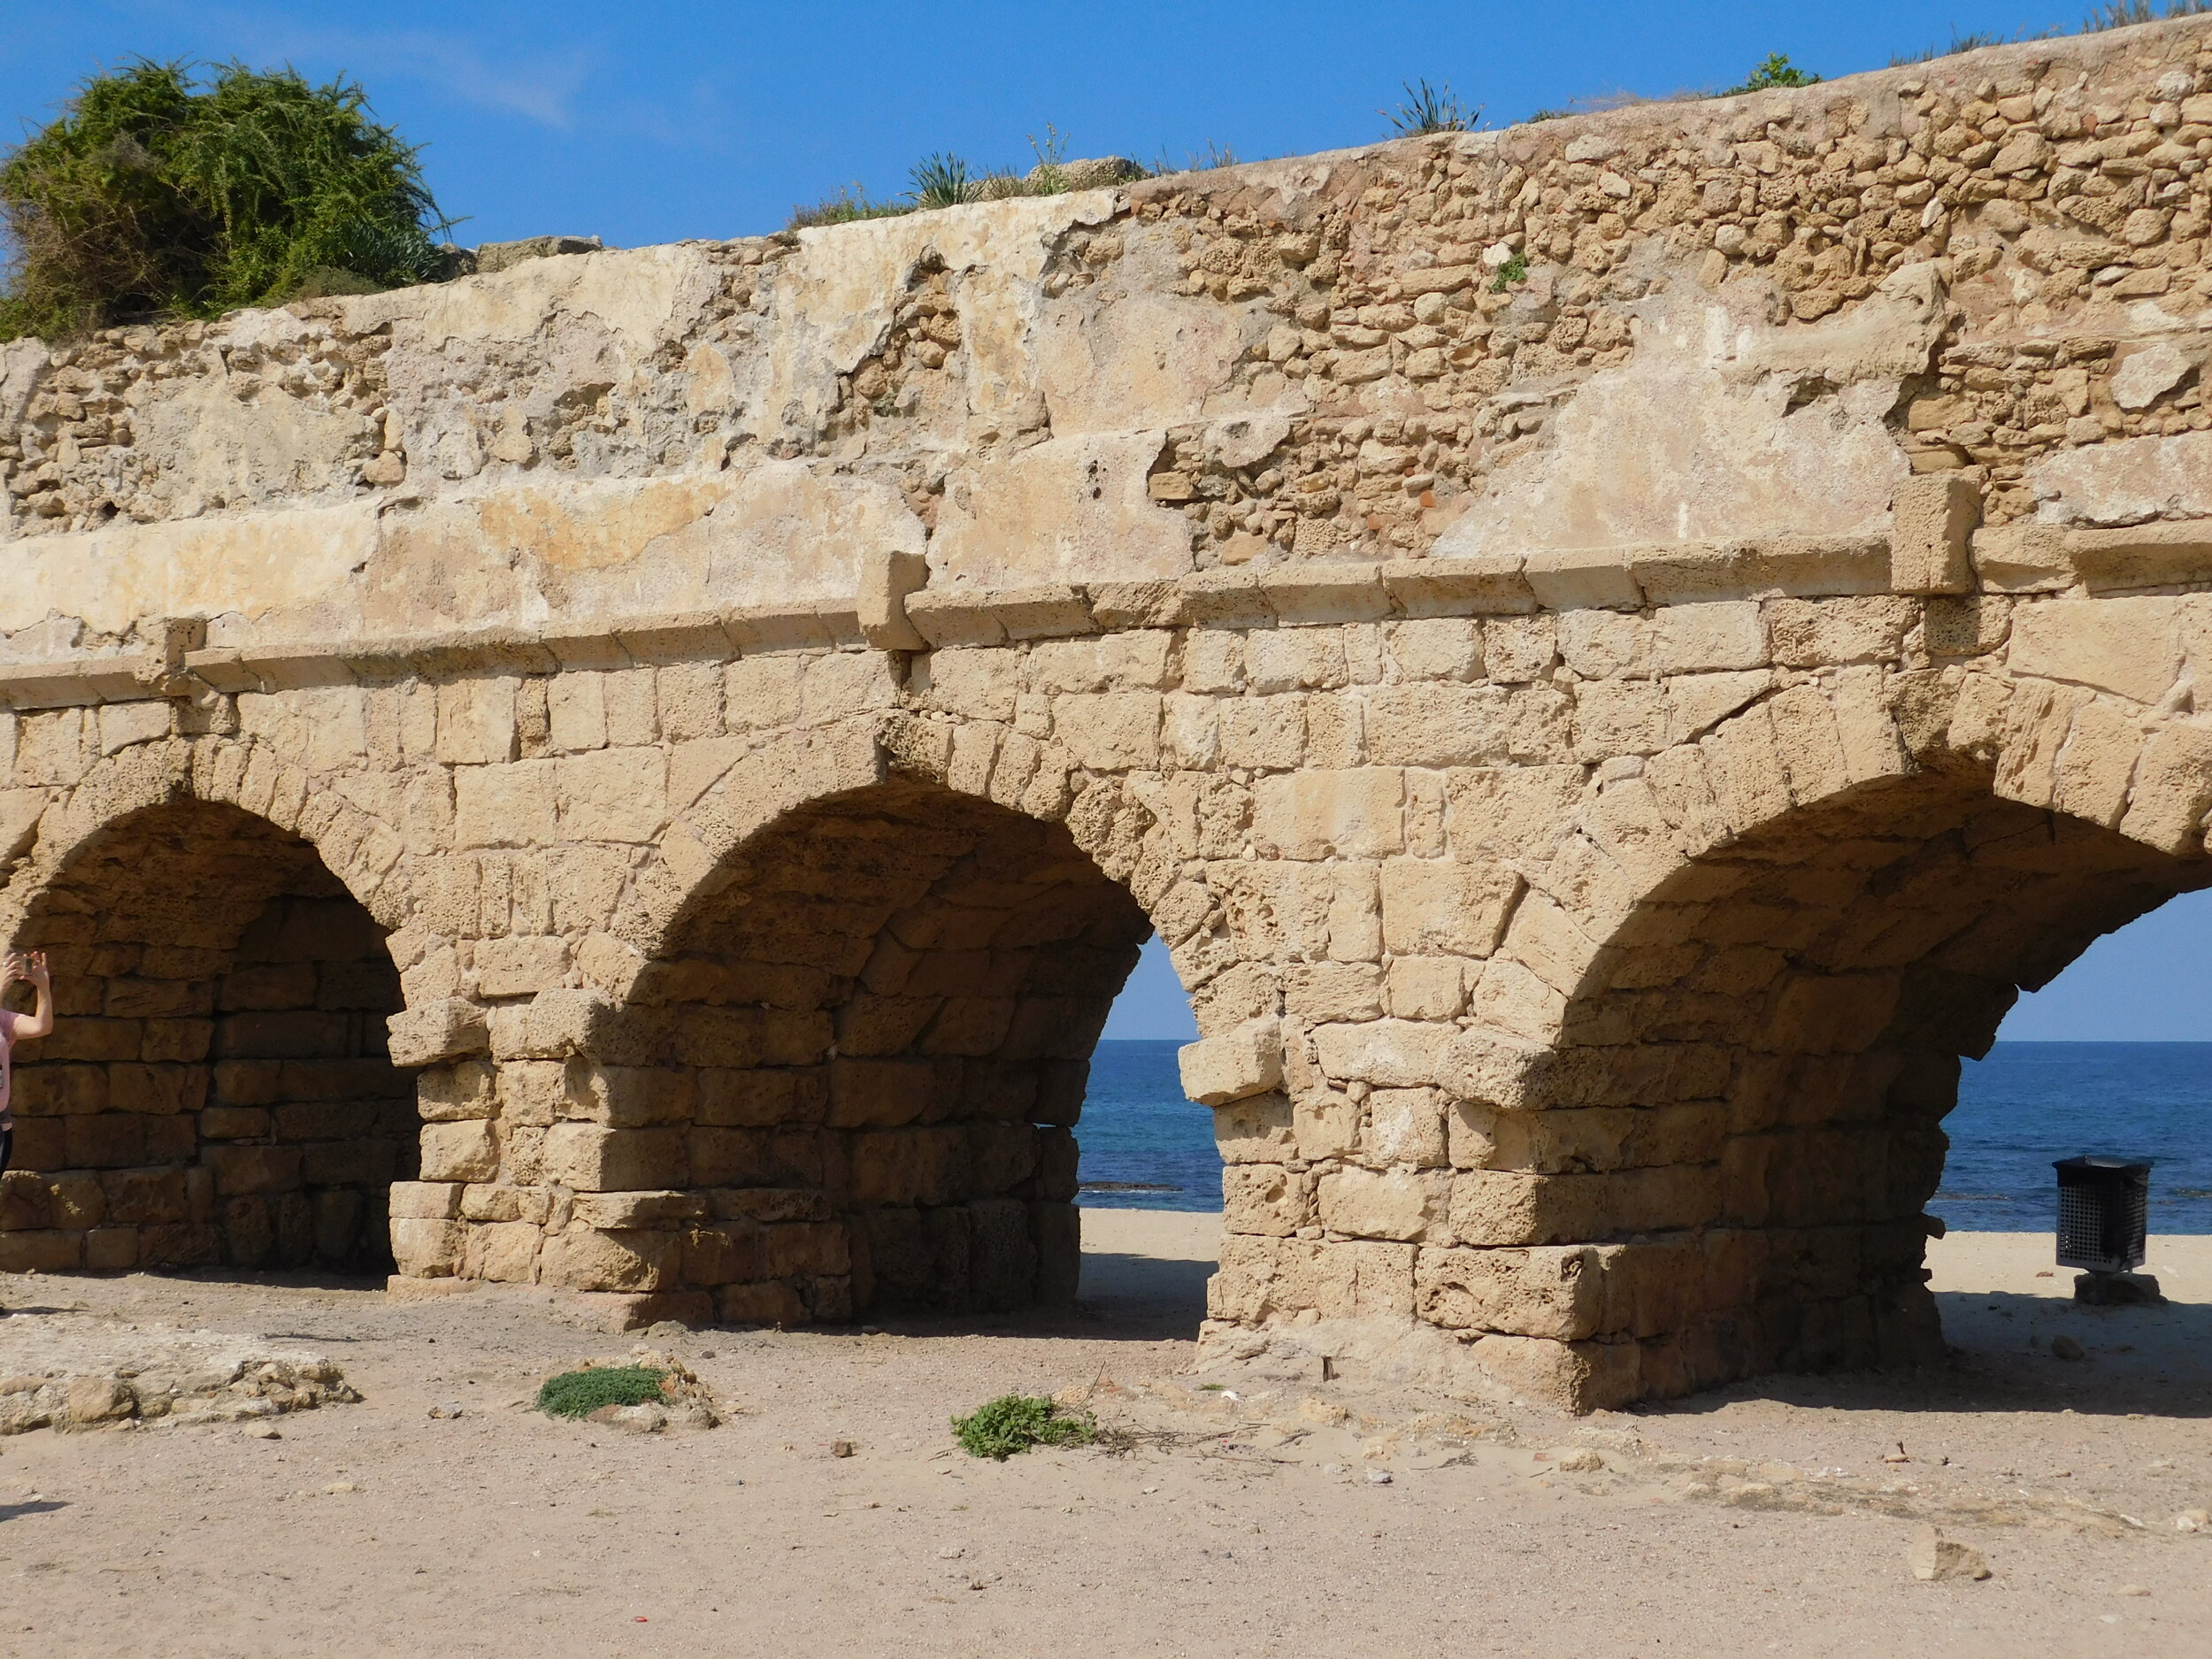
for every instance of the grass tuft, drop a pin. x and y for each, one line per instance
(2122, 13)
(1430, 109)
(578, 1393)
(1014, 1423)
(1775, 70)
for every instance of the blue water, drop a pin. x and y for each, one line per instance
(1146, 1148)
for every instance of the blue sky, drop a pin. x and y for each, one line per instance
(647, 122)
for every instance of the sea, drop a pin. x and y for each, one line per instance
(1144, 1147)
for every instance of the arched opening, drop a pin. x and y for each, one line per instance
(217, 1090)
(861, 1058)
(1746, 1107)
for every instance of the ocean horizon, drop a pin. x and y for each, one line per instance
(1145, 1146)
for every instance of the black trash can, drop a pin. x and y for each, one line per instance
(2103, 1213)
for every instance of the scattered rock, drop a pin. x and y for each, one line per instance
(841, 1448)
(2132, 1589)
(1378, 1477)
(1582, 1462)
(1931, 1557)
(262, 1431)
(2194, 1521)
(2063, 1347)
(500, 256)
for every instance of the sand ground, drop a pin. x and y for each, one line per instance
(1760, 1519)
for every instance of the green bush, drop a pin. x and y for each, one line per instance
(151, 196)
(1014, 1423)
(1775, 70)
(1430, 109)
(578, 1393)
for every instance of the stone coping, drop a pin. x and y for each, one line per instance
(2015, 559)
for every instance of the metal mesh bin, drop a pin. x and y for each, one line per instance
(2103, 1213)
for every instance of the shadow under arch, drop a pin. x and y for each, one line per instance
(860, 1051)
(1747, 1093)
(217, 1091)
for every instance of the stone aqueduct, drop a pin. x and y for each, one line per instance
(1609, 650)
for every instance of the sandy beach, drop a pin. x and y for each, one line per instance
(442, 1515)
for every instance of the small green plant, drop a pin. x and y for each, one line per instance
(1775, 70)
(1430, 109)
(943, 181)
(154, 194)
(1049, 177)
(1514, 270)
(578, 1393)
(2122, 13)
(846, 206)
(1014, 1423)
(1216, 155)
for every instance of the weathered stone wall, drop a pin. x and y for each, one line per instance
(1600, 742)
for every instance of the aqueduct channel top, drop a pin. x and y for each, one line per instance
(1610, 649)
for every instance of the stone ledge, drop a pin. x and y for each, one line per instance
(2032, 559)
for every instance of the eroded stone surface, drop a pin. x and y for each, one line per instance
(1600, 745)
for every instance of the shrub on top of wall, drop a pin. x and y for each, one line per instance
(151, 195)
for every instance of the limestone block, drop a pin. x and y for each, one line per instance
(1550, 1291)
(520, 964)
(1577, 1377)
(1325, 1124)
(1388, 1053)
(1321, 814)
(1931, 529)
(1627, 716)
(1333, 990)
(583, 1259)
(466, 1151)
(1437, 907)
(1246, 1060)
(2128, 646)
(1256, 1130)
(1446, 724)
(2036, 720)
(1508, 812)
(576, 711)
(124, 723)
(1265, 733)
(2096, 763)
(1396, 1204)
(1423, 987)
(1116, 731)
(1265, 1199)
(426, 1247)
(847, 683)
(476, 720)
(503, 1252)
(592, 1158)
(1295, 659)
(510, 805)
(251, 1168)
(613, 795)
(2173, 788)
(436, 1032)
(424, 1201)
(1828, 633)
(1701, 638)
(1405, 1125)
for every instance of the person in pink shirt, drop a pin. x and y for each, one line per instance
(16, 1028)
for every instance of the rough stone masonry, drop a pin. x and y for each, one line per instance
(1610, 649)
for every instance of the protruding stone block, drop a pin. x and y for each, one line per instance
(1246, 1060)
(1932, 531)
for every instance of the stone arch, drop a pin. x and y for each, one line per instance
(1734, 999)
(845, 1068)
(216, 1089)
